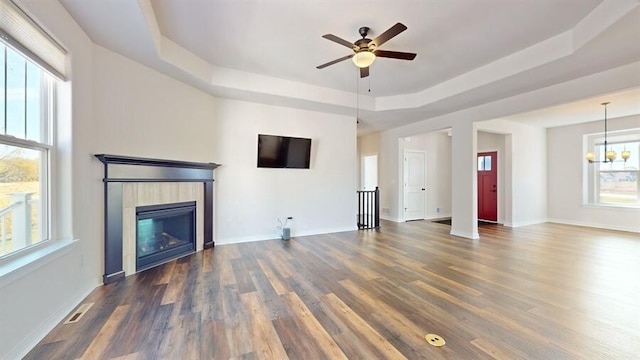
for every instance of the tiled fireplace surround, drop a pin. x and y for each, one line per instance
(130, 182)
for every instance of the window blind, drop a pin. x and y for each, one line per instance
(19, 30)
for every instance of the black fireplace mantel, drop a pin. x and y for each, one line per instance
(121, 169)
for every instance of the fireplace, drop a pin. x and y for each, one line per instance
(133, 185)
(164, 232)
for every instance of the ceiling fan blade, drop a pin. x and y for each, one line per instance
(338, 40)
(395, 54)
(364, 72)
(334, 61)
(385, 36)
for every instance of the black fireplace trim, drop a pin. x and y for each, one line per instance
(120, 169)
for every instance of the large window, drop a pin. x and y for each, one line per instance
(26, 120)
(616, 183)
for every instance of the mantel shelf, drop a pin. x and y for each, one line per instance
(130, 160)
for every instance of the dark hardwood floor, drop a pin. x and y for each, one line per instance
(538, 292)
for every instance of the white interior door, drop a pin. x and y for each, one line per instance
(414, 185)
(369, 172)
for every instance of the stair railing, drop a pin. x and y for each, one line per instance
(368, 209)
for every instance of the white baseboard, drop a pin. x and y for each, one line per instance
(389, 218)
(294, 234)
(596, 225)
(438, 217)
(466, 235)
(525, 223)
(46, 326)
(428, 218)
(327, 231)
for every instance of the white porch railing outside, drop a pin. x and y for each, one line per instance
(20, 212)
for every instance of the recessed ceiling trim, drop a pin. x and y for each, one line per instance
(582, 48)
(601, 18)
(544, 52)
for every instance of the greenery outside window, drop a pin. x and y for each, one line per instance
(26, 149)
(616, 183)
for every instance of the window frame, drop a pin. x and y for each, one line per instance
(46, 147)
(592, 184)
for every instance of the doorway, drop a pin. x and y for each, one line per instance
(488, 186)
(369, 172)
(414, 185)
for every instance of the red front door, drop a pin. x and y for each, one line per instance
(488, 186)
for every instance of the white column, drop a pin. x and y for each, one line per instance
(464, 189)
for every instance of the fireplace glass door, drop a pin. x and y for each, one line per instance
(164, 232)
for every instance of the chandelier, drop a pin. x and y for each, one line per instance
(609, 155)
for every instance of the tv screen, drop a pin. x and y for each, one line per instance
(283, 152)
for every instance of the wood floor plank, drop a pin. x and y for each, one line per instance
(366, 334)
(266, 343)
(325, 343)
(214, 341)
(544, 291)
(412, 333)
(278, 285)
(498, 351)
(159, 330)
(238, 334)
(268, 296)
(291, 337)
(227, 277)
(134, 356)
(101, 343)
(176, 284)
(165, 273)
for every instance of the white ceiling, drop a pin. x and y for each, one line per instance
(283, 38)
(469, 52)
(621, 104)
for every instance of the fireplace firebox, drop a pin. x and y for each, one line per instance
(164, 232)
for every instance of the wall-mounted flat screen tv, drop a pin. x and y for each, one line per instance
(283, 152)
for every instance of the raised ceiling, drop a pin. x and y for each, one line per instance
(283, 38)
(469, 52)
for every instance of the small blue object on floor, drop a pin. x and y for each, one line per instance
(286, 233)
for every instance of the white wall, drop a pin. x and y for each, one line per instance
(437, 148)
(119, 107)
(140, 112)
(608, 81)
(144, 113)
(567, 168)
(35, 297)
(525, 171)
(249, 199)
(525, 185)
(529, 176)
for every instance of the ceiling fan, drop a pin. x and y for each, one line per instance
(366, 50)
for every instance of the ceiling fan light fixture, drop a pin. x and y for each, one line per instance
(363, 58)
(365, 51)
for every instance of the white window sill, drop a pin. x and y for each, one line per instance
(15, 267)
(611, 207)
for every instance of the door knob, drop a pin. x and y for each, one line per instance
(422, 189)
